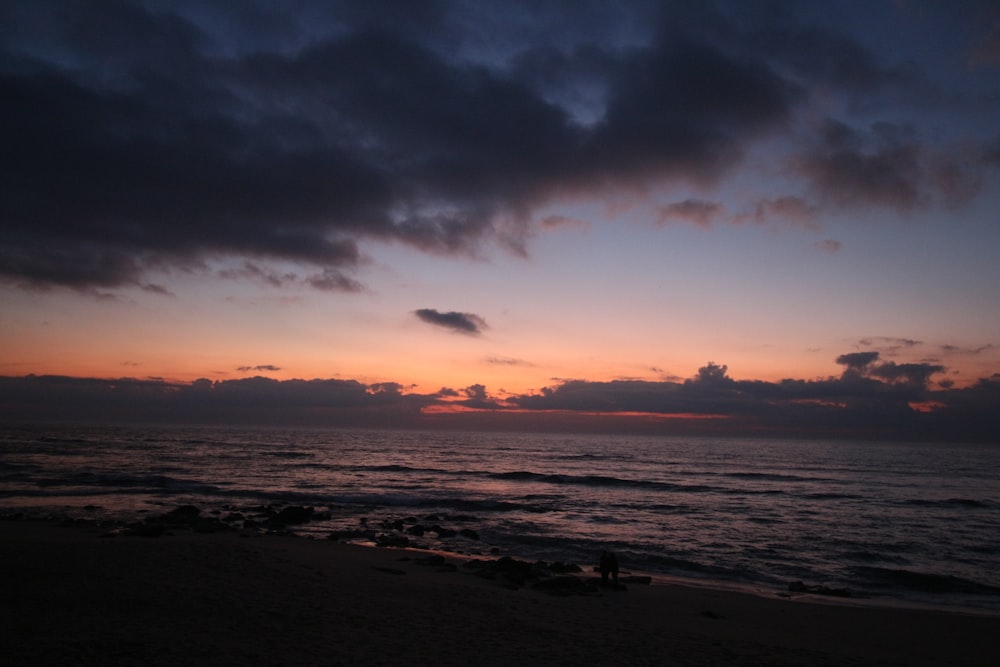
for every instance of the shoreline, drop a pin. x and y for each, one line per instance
(74, 597)
(302, 531)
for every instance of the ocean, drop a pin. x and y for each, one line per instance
(906, 522)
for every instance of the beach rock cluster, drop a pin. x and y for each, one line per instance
(408, 532)
(262, 518)
(554, 578)
(276, 519)
(418, 528)
(185, 517)
(557, 578)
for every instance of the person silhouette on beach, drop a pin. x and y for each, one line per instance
(609, 565)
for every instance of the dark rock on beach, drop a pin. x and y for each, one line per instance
(294, 515)
(185, 514)
(799, 587)
(443, 533)
(555, 578)
(398, 541)
(185, 517)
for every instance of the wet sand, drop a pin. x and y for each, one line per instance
(73, 597)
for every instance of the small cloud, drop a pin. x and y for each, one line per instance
(828, 245)
(157, 289)
(249, 270)
(507, 361)
(562, 221)
(956, 349)
(857, 361)
(696, 211)
(263, 368)
(664, 375)
(888, 344)
(793, 209)
(466, 323)
(331, 280)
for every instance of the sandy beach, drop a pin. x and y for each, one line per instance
(72, 596)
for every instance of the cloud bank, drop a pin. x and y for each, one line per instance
(871, 399)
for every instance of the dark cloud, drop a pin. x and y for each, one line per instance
(140, 136)
(886, 165)
(916, 374)
(866, 366)
(466, 323)
(137, 139)
(820, 55)
(263, 368)
(477, 398)
(857, 361)
(852, 168)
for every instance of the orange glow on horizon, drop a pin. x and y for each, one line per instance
(462, 409)
(927, 406)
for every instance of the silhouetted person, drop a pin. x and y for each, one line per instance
(609, 565)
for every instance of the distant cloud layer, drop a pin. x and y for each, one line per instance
(872, 398)
(144, 135)
(466, 323)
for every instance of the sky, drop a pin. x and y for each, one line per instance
(728, 216)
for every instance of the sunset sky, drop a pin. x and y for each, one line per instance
(502, 204)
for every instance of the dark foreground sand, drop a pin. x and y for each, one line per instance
(71, 597)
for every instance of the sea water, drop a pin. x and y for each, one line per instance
(898, 521)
